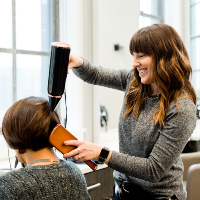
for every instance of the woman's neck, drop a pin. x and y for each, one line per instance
(45, 153)
(154, 89)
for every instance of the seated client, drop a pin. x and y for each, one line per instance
(26, 128)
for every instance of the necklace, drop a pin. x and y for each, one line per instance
(45, 160)
(149, 112)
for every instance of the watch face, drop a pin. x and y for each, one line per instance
(104, 154)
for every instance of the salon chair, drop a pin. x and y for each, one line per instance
(191, 175)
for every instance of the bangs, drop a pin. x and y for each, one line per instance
(141, 42)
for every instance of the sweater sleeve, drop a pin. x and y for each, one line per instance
(116, 79)
(167, 149)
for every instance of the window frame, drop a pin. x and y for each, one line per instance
(14, 51)
(194, 70)
(160, 15)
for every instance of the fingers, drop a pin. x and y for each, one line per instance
(75, 151)
(70, 65)
(78, 157)
(85, 150)
(75, 61)
(79, 151)
(73, 142)
(70, 154)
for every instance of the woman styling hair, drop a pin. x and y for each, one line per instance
(26, 127)
(158, 115)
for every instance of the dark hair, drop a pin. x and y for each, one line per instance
(172, 69)
(28, 123)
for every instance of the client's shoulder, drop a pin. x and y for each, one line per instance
(70, 166)
(12, 177)
(32, 179)
(11, 183)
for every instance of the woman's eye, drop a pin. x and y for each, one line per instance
(141, 56)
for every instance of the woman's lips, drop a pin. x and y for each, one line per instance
(142, 71)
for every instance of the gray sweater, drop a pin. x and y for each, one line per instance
(58, 181)
(149, 154)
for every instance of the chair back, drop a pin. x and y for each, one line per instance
(188, 160)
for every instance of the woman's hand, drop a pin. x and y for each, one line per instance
(84, 151)
(75, 61)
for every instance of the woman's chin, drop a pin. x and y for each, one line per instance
(144, 81)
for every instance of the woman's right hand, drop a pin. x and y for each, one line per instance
(75, 61)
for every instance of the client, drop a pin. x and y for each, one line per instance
(26, 127)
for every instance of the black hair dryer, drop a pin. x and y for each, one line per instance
(58, 67)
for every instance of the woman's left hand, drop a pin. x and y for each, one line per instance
(84, 151)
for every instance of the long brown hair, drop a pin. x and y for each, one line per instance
(172, 70)
(28, 123)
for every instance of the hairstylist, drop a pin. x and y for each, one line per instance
(158, 115)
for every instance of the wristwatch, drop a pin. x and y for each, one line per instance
(103, 154)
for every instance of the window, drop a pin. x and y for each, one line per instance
(29, 27)
(151, 12)
(195, 44)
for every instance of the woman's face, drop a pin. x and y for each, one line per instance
(145, 66)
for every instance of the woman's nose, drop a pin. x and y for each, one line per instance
(136, 63)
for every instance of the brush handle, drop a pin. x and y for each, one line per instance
(91, 164)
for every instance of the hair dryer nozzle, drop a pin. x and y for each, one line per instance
(53, 102)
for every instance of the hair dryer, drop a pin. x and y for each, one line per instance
(58, 67)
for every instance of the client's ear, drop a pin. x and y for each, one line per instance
(20, 156)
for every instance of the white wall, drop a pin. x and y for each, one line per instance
(115, 23)
(76, 29)
(92, 28)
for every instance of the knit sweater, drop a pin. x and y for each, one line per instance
(149, 155)
(59, 181)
